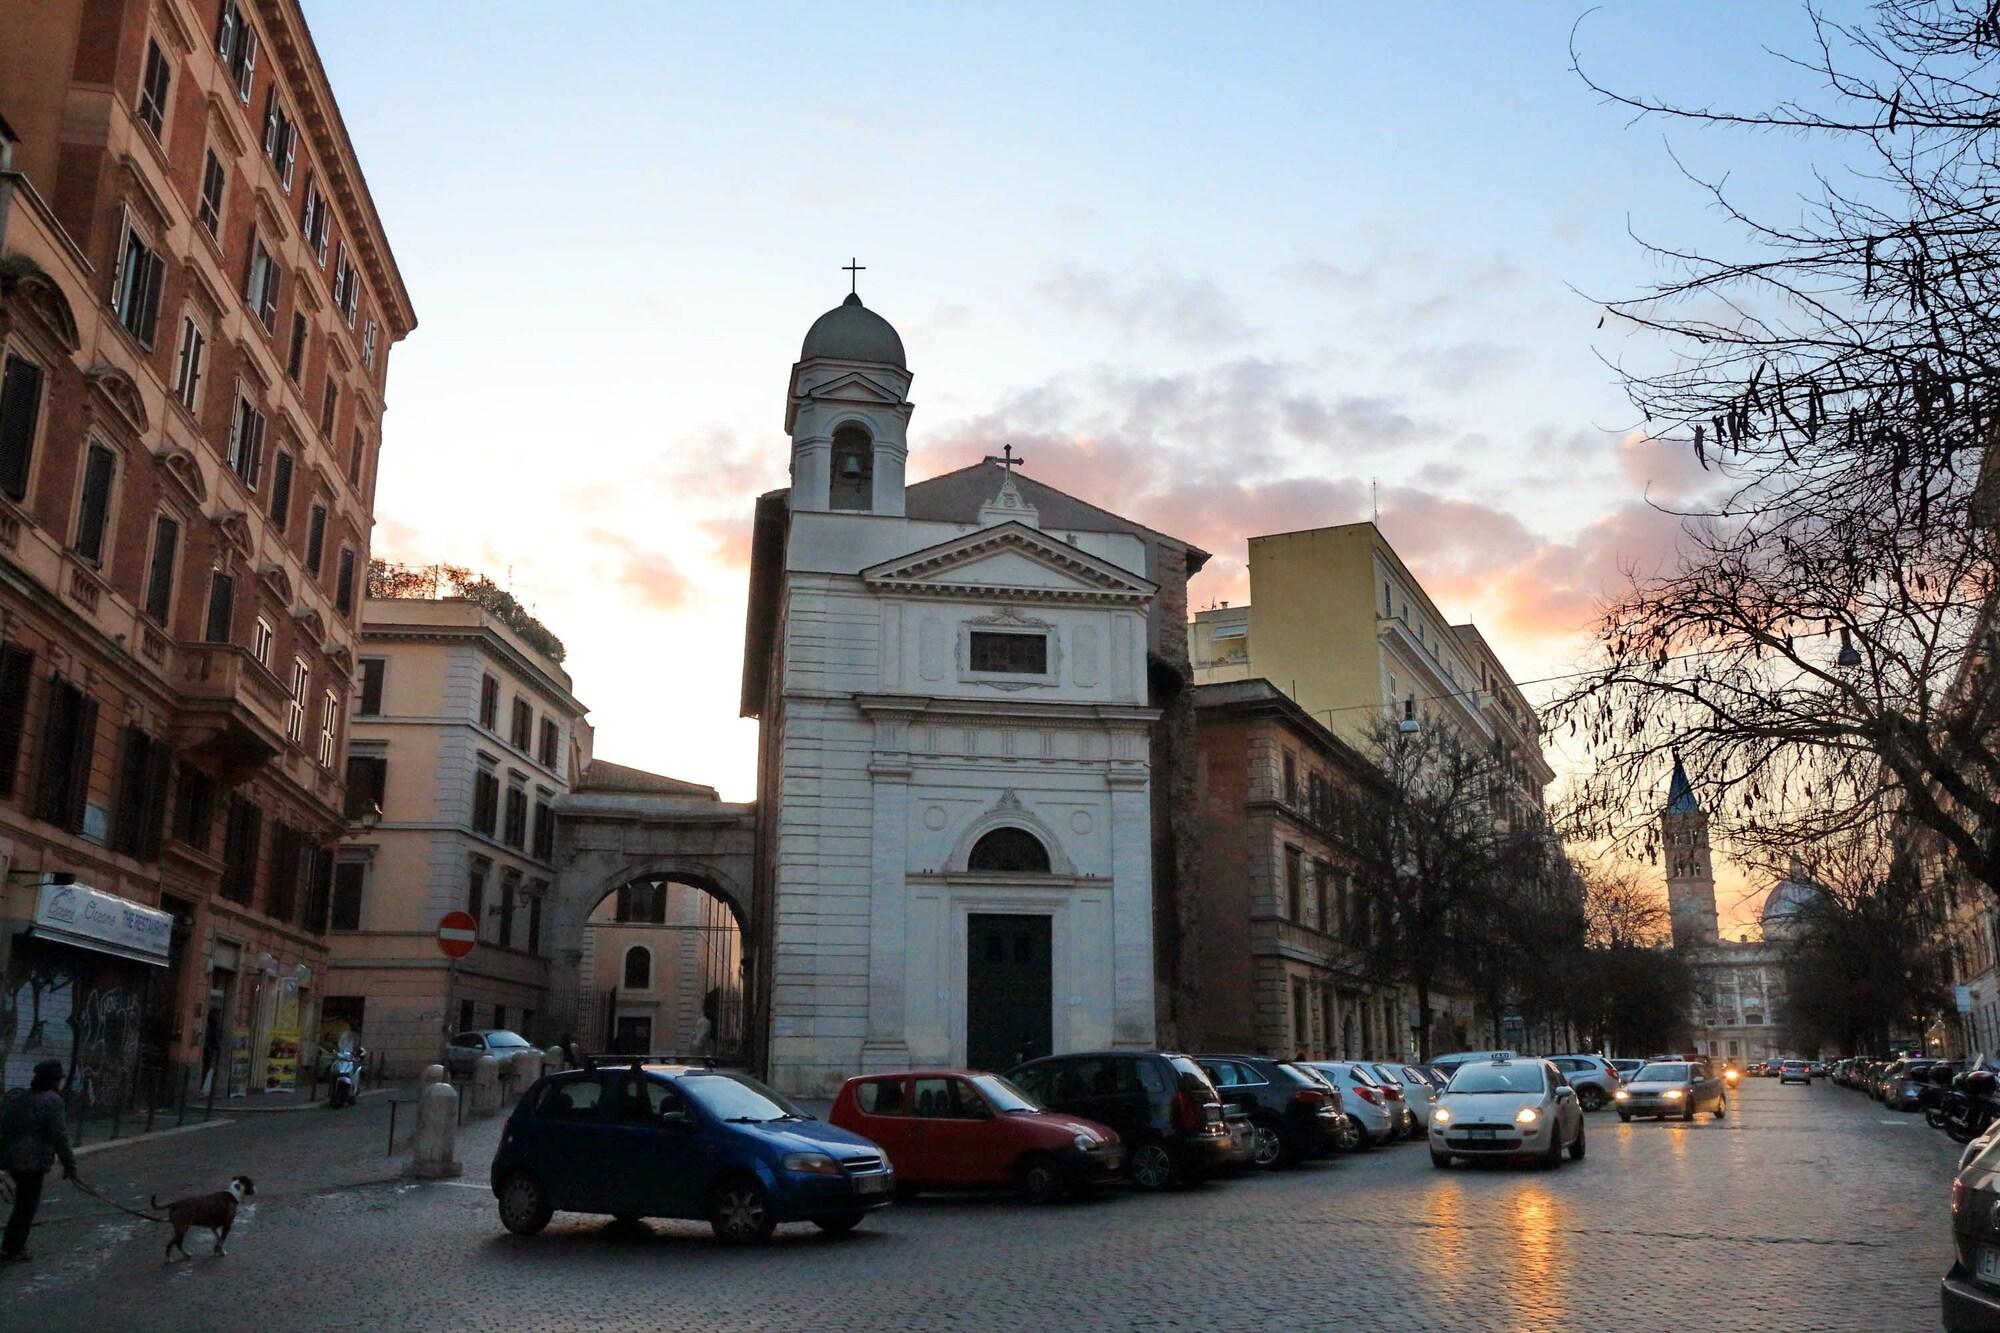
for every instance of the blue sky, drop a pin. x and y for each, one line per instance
(1216, 268)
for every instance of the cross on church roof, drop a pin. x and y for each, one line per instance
(1007, 460)
(853, 268)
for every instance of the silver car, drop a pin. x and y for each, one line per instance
(462, 1052)
(1595, 1080)
(1361, 1096)
(1520, 1108)
(1677, 1088)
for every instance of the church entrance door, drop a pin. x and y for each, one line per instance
(1009, 1001)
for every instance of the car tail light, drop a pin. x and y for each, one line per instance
(1307, 1097)
(1393, 1094)
(1367, 1095)
(1190, 1115)
(1958, 1193)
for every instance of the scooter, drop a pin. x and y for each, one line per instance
(349, 1060)
(1968, 1108)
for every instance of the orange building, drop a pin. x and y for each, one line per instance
(197, 303)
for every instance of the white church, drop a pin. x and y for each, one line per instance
(959, 743)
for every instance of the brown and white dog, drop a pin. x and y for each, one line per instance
(215, 1211)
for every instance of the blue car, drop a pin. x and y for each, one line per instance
(658, 1140)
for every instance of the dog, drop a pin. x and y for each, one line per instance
(215, 1211)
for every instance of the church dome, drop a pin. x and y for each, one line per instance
(852, 332)
(1784, 902)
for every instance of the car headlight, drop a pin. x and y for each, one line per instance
(1672, 1094)
(1440, 1115)
(1621, 1096)
(1527, 1115)
(812, 1164)
(1085, 1142)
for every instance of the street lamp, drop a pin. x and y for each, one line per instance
(1850, 656)
(1409, 726)
(369, 817)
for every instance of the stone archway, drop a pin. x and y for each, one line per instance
(606, 840)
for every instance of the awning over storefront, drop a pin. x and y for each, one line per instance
(87, 918)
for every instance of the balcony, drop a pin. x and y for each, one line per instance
(232, 709)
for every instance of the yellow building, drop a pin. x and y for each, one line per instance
(665, 962)
(1340, 624)
(464, 734)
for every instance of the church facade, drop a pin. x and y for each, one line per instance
(957, 754)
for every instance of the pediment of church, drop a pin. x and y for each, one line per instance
(1010, 559)
(854, 387)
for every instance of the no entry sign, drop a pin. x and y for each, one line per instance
(457, 933)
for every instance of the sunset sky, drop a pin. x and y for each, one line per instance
(1213, 268)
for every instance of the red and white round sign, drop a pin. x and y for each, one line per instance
(457, 933)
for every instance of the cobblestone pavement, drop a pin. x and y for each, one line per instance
(1806, 1208)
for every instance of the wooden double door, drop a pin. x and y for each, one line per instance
(1009, 993)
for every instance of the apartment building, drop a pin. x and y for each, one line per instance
(465, 731)
(197, 304)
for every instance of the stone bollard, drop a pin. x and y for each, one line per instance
(434, 1154)
(433, 1074)
(485, 1087)
(526, 1067)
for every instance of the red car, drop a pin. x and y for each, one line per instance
(955, 1128)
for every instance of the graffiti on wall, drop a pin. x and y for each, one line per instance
(86, 1016)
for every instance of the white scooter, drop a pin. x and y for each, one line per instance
(349, 1061)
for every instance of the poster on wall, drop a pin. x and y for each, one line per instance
(281, 1064)
(239, 1061)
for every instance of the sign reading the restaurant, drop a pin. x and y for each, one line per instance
(90, 918)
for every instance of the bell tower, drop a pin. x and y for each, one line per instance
(848, 414)
(1690, 868)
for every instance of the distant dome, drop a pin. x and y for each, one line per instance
(852, 332)
(1786, 898)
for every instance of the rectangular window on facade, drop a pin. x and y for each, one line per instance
(281, 491)
(243, 61)
(507, 889)
(343, 582)
(221, 608)
(194, 806)
(93, 510)
(1295, 903)
(315, 539)
(137, 818)
(295, 355)
(187, 364)
(246, 443)
(69, 735)
(475, 895)
(242, 830)
(17, 672)
(372, 672)
(160, 572)
(1322, 894)
(522, 725)
(281, 137)
(370, 332)
(135, 285)
(295, 705)
(550, 741)
(260, 293)
(20, 414)
(329, 401)
(329, 728)
(1002, 651)
(485, 801)
(489, 702)
(313, 221)
(152, 107)
(545, 831)
(535, 924)
(367, 784)
(261, 638)
(349, 877)
(515, 832)
(208, 208)
(1291, 778)
(357, 454)
(290, 859)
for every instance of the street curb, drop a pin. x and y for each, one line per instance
(107, 1145)
(320, 1105)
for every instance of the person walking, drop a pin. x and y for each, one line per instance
(32, 1137)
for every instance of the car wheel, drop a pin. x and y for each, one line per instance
(740, 1212)
(1152, 1166)
(1576, 1149)
(1349, 1138)
(1267, 1145)
(1554, 1156)
(1440, 1160)
(1721, 1107)
(1039, 1179)
(1591, 1097)
(524, 1204)
(1687, 1112)
(1625, 1117)
(839, 1224)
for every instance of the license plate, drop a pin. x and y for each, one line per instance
(1986, 1264)
(871, 1184)
(1480, 1133)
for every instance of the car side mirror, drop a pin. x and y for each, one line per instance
(677, 1117)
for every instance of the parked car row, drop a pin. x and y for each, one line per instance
(658, 1138)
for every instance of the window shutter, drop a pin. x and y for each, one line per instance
(95, 505)
(20, 407)
(247, 79)
(271, 121)
(160, 578)
(159, 775)
(118, 254)
(17, 666)
(154, 276)
(281, 491)
(81, 754)
(221, 608)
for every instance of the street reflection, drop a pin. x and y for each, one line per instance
(1541, 1247)
(1445, 1246)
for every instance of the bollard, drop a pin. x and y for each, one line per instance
(485, 1086)
(435, 1155)
(187, 1073)
(433, 1074)
(523, 1070)
(392, 1127)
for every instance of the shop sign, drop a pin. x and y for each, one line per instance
(95, 919)
(281, 1064)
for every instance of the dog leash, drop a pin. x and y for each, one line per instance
(133, 1212)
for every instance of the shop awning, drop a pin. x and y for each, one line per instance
(87, 918)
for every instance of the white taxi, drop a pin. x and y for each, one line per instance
(1516, 1107)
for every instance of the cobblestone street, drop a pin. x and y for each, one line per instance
(1807, 1208)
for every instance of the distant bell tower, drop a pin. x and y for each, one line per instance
(848, 412)
(1690, 870)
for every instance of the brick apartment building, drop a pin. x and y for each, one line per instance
(197, 303)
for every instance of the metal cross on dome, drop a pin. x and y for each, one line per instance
(853, 268)
(1007, 460)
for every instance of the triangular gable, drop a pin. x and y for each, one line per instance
(853, 387)
(1009, 560)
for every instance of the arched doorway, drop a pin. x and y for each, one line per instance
(662, 973)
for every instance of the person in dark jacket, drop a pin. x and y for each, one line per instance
(32, 1137)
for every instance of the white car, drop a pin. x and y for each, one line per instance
(1506, 1108)
(1361, 1097)
(1417, 1094)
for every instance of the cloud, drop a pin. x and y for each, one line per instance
(1146, 302)
(647, 578)
(1461, 365)
(1665, 470)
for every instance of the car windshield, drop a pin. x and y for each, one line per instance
(1005, 1096)
(738, 1099)
(505, 1039)
(1663, 1074)
(1497, 1078)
